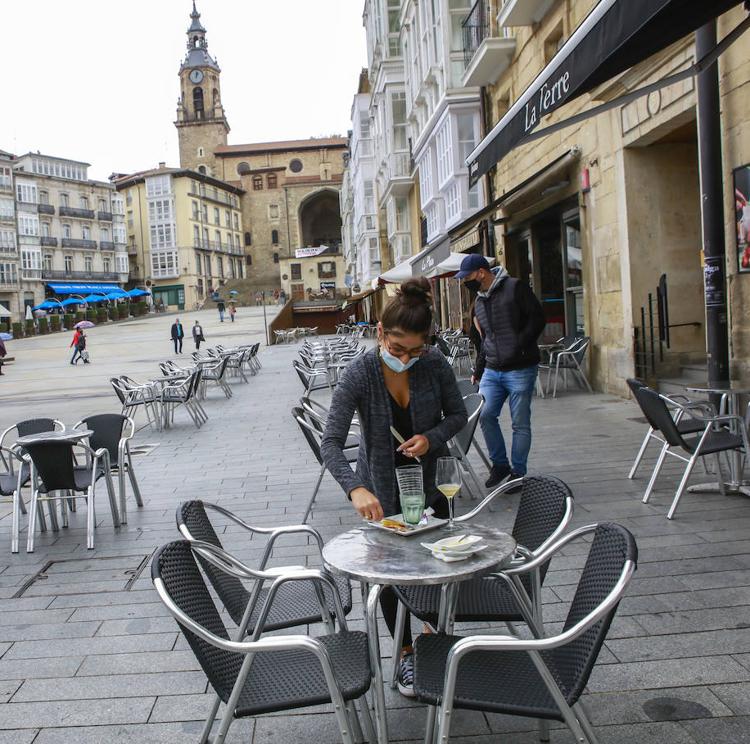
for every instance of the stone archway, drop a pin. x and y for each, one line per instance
(320, 219)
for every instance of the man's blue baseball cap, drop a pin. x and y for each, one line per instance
(473, 262)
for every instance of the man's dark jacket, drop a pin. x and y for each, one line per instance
(177, 331)
(511, 319)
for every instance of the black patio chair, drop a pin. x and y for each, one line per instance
(713, 440)
(185, 394)
(312, 378)
(539, 678)
(296, 604)
(544, 511)
(27, 428)
(681, 405)
(216, 373)
(262, 674)
(54, 469)
(460, 444)
(313, 433)
(113, 432)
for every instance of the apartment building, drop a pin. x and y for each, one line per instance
(184, 232)
(9, 267)
(69, 228)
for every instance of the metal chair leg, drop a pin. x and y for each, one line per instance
(582, 715)
(655, 474)
(90, 518)
(398, 640)
(429, 728)
(641, 452)
(112, 498)
(681, 487)
(34, 509)
(315, 493)
(370, 734)
(134, 482)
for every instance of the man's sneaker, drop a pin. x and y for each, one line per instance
(498, 474)
(516, 488)
(405, 679)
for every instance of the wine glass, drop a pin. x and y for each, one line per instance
(448, 482)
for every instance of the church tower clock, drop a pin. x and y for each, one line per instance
(201, 121)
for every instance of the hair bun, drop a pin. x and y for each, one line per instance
(416, 291)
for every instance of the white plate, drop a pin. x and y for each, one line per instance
(430, 523)
(456, 543)
(453, 557)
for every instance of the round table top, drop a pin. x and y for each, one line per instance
(722, 386)
(376, 556)
(70, 435)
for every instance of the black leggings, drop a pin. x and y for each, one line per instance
(388, 599)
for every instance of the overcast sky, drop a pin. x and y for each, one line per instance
(97, 81)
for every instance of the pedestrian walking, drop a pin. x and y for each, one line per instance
(510, 320)
(258, 299)
(232, 312)
(178, 333)
(3, 354)
(198, 335)
(403, 384)
(79, 346)
(282, 297)
(222, 309)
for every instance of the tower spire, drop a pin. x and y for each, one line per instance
(197, 44)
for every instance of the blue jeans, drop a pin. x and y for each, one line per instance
(518, 386)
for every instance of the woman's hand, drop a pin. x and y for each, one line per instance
(367, 504)
(416, 446)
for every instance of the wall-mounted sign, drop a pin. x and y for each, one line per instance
(742, 216)
(310, 252)
(466, 242)
(331, 286)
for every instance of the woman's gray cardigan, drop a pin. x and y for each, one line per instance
(437, 411)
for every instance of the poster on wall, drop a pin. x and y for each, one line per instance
(742, 215)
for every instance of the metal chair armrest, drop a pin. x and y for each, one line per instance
(542, 556)
(487, 499)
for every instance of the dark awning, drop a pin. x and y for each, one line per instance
(616, 35)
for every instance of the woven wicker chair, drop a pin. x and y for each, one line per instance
(544, 511)
(269, 674)
(296, 604)
(538, 678)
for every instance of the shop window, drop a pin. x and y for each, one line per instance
(326, 270)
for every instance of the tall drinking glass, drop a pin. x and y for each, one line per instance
(411, 493)
(448, 482)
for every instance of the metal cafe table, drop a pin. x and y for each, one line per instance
(377, 558)
(730, 393)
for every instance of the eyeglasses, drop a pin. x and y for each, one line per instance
(398, 350)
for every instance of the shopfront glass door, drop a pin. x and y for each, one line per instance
(573, 274)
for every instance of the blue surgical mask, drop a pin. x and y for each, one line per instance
(394, 363)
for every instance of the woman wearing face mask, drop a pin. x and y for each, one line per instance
(405, 384)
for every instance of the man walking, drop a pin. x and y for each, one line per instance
(510, 318)
(221, 307)
(178, 334)
(198, 335)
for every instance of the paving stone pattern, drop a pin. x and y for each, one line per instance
(83, 659)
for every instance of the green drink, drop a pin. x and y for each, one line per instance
(412, 507)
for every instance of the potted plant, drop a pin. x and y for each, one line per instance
(29, 328)
(68, 320)
(16, 330)
(80, 315)
(101, 315)
(54, 323)
(43, 325)
(123, 311)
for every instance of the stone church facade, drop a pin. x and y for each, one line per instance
(292, 187)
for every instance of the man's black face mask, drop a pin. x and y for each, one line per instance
(473, 285)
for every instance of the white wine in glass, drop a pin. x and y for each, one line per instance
(448, 482)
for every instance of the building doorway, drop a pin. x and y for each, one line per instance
(320, 220)
(546, 253)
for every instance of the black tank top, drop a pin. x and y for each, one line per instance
(402, 424)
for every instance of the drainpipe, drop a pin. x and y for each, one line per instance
(712, 209)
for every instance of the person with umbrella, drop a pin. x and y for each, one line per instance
(177, 333)
(79, 345)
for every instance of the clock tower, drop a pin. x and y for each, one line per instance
(201, 122)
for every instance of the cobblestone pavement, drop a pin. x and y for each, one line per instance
(88, 654)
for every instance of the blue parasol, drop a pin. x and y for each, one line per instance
(92, 298)
(46, 305)
(72, 301)
(138, 292)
